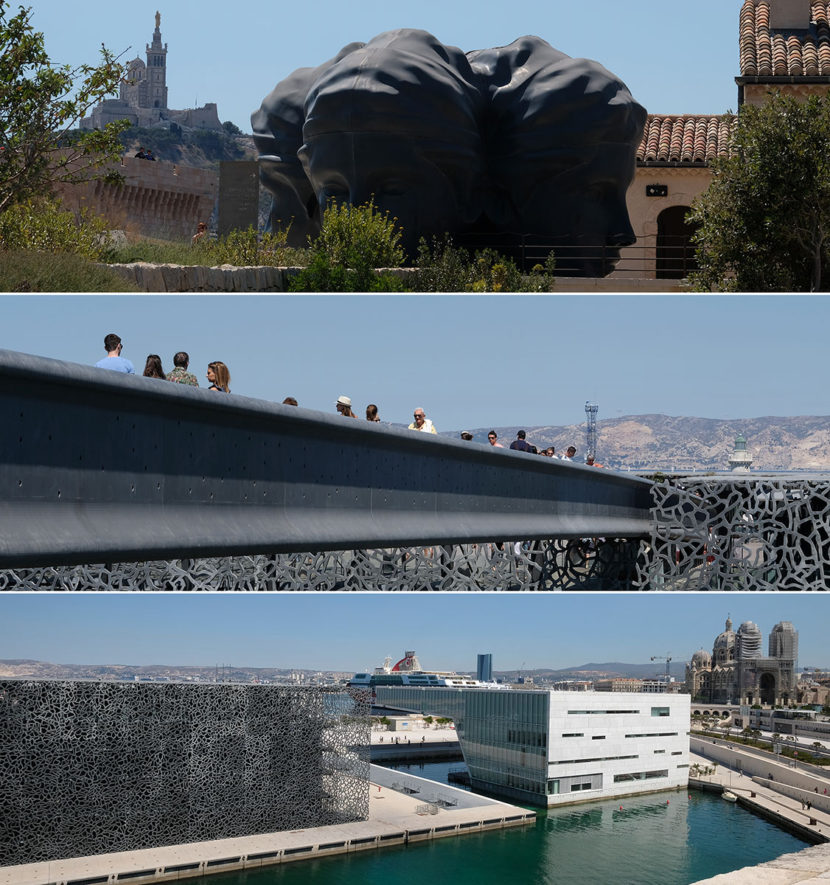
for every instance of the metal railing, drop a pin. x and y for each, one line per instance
(657, 256)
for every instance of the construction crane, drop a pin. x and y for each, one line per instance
(667, 659)
(591, 410)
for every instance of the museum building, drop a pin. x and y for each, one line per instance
(550, 748)
(90, 768)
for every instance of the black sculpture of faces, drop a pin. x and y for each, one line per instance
(515, 143)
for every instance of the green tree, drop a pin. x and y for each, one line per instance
(765, 219)
(40, 106)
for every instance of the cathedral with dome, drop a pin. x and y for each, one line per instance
(738, 673)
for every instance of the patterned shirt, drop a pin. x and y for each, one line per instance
(182, 376)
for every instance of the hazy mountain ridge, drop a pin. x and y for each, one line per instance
(607, 670)
(667, 442)
(31, 669)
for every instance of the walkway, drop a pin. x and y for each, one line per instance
(810, 865)
(395, 818)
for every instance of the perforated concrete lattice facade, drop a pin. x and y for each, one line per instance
(88, 768)
(577, 564)
(733, 532)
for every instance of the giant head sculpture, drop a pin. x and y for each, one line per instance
(520, 140)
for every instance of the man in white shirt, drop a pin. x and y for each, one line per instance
(421, 422)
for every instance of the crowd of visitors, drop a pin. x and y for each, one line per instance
(219, 378)
(218, 373)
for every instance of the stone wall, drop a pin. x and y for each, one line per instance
(157, 199)
(187, 278)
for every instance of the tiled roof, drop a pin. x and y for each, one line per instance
(686, 140)
(797, 53)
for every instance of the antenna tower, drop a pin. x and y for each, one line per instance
(591, 410)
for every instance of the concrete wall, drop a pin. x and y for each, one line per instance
(145, 473)
(427, 790)
(758, 764)
(238, 196)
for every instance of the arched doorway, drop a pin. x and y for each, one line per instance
(767, 688)
(675, 250)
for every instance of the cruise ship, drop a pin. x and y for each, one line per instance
(408, 672)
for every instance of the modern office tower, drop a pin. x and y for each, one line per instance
(557, 747)
(484, 668)
(96, 767)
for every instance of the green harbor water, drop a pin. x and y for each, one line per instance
(663, 839)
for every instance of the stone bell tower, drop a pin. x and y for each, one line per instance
(157, 69)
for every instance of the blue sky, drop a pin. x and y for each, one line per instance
(470, 361)
(354, 631)
(675, 58)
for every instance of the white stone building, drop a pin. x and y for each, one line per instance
(557, 747)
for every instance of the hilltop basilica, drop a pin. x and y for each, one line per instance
(737, 673)
(143, 96)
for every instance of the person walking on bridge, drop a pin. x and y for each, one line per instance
(179, 374)
(113, 360)
(421, 422)
(520, 444)
(344, 407)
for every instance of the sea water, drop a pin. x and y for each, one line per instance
(673, 838)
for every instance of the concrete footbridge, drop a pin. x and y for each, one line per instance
(111, 481)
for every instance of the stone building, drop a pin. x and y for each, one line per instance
(736, 671)
(783, 45)
(143, 96)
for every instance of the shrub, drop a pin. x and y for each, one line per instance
(443, 267)
(353, 242)
(241, 248)
(29, 271)
(43, 225)
(247, 248)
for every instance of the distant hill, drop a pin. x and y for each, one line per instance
(30, 669)
(664, 442)
(603, 671)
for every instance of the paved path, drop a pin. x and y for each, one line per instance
(395, 818)
(809, 865)
(429, 734)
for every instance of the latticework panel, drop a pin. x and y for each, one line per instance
(89, 767)
(734, 533)
(582, 564)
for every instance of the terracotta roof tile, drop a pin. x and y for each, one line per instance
(789, 53)
(684, 140)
